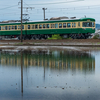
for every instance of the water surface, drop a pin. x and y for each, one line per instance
(47, 75)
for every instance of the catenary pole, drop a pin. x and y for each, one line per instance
(44, 11)
(21, 18)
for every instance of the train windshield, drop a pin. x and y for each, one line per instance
(88, 24)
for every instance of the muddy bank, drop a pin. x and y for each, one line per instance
(47, 48)
(69, 44)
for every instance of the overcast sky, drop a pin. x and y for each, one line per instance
(10, 10)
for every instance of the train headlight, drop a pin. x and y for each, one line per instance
(93, 28)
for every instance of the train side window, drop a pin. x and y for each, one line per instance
(0, 27)
(36, 26)
(56, 25)
(47, 25)
(28, 26)
(74, 24)
(9, 27)
(6, 27)
(79, 24)
(15, 27)
(3, 27)
(52, 25)
(64, 25)
(43, 25)
(60, 25)
(19, 27)
(23, 27)
(40, 26)
(12, 27)
(68, 24)
(93, 24)
(32, 26)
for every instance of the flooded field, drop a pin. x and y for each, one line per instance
(50, 75)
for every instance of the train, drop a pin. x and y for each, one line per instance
(76, 28)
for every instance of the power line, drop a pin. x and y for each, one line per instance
(8, 7)
(56, 2)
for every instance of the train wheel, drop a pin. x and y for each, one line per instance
(19, 38)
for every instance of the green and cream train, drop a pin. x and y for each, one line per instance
(74, 28)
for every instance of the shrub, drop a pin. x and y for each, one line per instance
(96, 36)
(56, 36)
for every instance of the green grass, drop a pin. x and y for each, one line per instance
(96, 36)
(55, 37)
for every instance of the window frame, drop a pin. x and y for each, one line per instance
(56, 25)
(33, 26)
(28, 27)
(40, 26)
(65, 25)
(36, 25)
(69, 25)
(52, 25)
(60, 24)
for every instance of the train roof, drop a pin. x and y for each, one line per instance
(62, 20)
(49, 21)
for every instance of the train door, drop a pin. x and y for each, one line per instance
(69, 27)
(79, 27)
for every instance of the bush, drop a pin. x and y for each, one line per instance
(96, 36)
(56, 36)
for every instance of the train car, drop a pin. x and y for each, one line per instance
(74, 28)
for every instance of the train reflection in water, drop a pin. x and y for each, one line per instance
(58, 60)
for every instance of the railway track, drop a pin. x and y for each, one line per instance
(54, 41)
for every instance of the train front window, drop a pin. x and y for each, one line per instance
(93, 24)
(88, 24)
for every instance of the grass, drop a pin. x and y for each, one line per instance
(96, 36)
(55, 37)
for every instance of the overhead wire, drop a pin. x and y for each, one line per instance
(54, 9)
(68, 9)
(56, 2)
(8, 7)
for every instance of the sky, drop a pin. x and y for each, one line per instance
(10, 9)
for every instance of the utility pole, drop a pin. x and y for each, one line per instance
(44, 11)
(21, 19)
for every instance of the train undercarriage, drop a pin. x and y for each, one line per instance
(46, 36)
